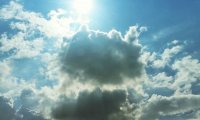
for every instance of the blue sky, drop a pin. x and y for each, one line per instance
(99, 60)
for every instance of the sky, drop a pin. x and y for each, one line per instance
(99, 60)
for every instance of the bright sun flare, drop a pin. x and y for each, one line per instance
(82, 7)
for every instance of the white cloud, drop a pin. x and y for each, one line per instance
(147, 57)
(162, 80)
(188, 72)
(7, 81)
(166, 56)
(9, 11)
(133, 34)
(19, 25)
(11, 86)
(22, 48)
(174, 42)
(5, 69)
(58, 25)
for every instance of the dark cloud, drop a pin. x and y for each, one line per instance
(28, 99)
(28, 115)
(104, 58)
(7, 112)
(29, 103)
(95, 105)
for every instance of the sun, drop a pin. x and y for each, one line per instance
(82, 7)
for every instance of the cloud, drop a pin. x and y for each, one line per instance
(104, 58)
(161, 80)
(197, 116)
(108, 60)
(166, 56)
(27, 114)
(164, 33)
(158, 106)
(7, 81)
(10, 10)
(58, 24)
(19, 26)
(5, 69)
(94, 105)
(7, 112)
(161, 60)
(188, 72)
(20, 47)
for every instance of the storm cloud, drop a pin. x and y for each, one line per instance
(105, 59)
(94, 105)
(100, 57)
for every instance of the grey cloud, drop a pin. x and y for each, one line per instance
(95, 105)
(103, 58)
(158, 106)
(28, 99)
(9, 113)
(28, 115)
(29, 103)
(6, 111)
(134, 96)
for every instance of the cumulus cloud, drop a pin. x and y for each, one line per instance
(57, 25)
(91, 56)
(10, 10)
(20, 46)
(166, 56)
(94, 105)
(161, 80)
(102, 57)
(158, 106)
(108, 60)
(5, 69)
(188, 72)
(7, 81)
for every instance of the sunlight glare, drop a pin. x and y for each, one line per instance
(82, 7)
